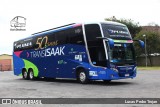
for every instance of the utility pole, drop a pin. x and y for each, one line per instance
(145, 48)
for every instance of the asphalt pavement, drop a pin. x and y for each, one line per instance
(145, 85)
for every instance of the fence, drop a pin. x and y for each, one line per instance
(141, 61)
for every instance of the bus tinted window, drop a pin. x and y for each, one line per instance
(76, 36)
(116, 32)
(61, 37)
(23, 44)
(92, 31)
(95, 46)
(40, 41)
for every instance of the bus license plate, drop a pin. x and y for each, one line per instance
(126, 75)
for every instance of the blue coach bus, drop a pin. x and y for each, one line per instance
(85, 51)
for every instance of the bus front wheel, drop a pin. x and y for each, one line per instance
(82, 77)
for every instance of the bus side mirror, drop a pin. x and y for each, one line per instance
(141, 43)
(111, 42)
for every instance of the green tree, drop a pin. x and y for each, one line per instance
(152, 41)
(133, 27)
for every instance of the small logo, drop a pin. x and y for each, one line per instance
(78, 57)
(18, 23)
(6, 101)
(62, 62)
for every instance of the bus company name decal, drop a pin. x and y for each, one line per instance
(47, 52)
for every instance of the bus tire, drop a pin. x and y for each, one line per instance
(82, 77)
(24, 74)
(106, 81)
(31, 74)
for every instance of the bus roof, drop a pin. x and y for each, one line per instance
(72, 25)
(105, 22)
(113, 23)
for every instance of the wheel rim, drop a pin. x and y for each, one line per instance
(82, 76)
(31, 75)
(25, 74)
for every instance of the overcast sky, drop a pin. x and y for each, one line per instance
(46, 14)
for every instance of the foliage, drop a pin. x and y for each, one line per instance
(152, 40)
(152, 43)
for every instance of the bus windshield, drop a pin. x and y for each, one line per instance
(116, 32)
(122, 54)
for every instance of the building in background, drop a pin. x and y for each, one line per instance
(151, 28)
(6, 62)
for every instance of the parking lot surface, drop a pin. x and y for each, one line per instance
(145, 85)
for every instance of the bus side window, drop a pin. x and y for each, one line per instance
(61, 37)
(76, 36)
(97, 56)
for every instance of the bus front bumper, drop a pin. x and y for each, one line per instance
(111, 75)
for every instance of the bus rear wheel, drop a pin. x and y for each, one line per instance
(82, 77)
(31, 74)
(24, 74)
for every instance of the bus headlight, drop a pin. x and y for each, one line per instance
(135, 69)
(114, 69)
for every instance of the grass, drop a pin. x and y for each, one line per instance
(148, 68)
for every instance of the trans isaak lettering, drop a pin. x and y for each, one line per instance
(48, 52)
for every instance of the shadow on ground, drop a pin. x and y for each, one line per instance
(73, 81)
